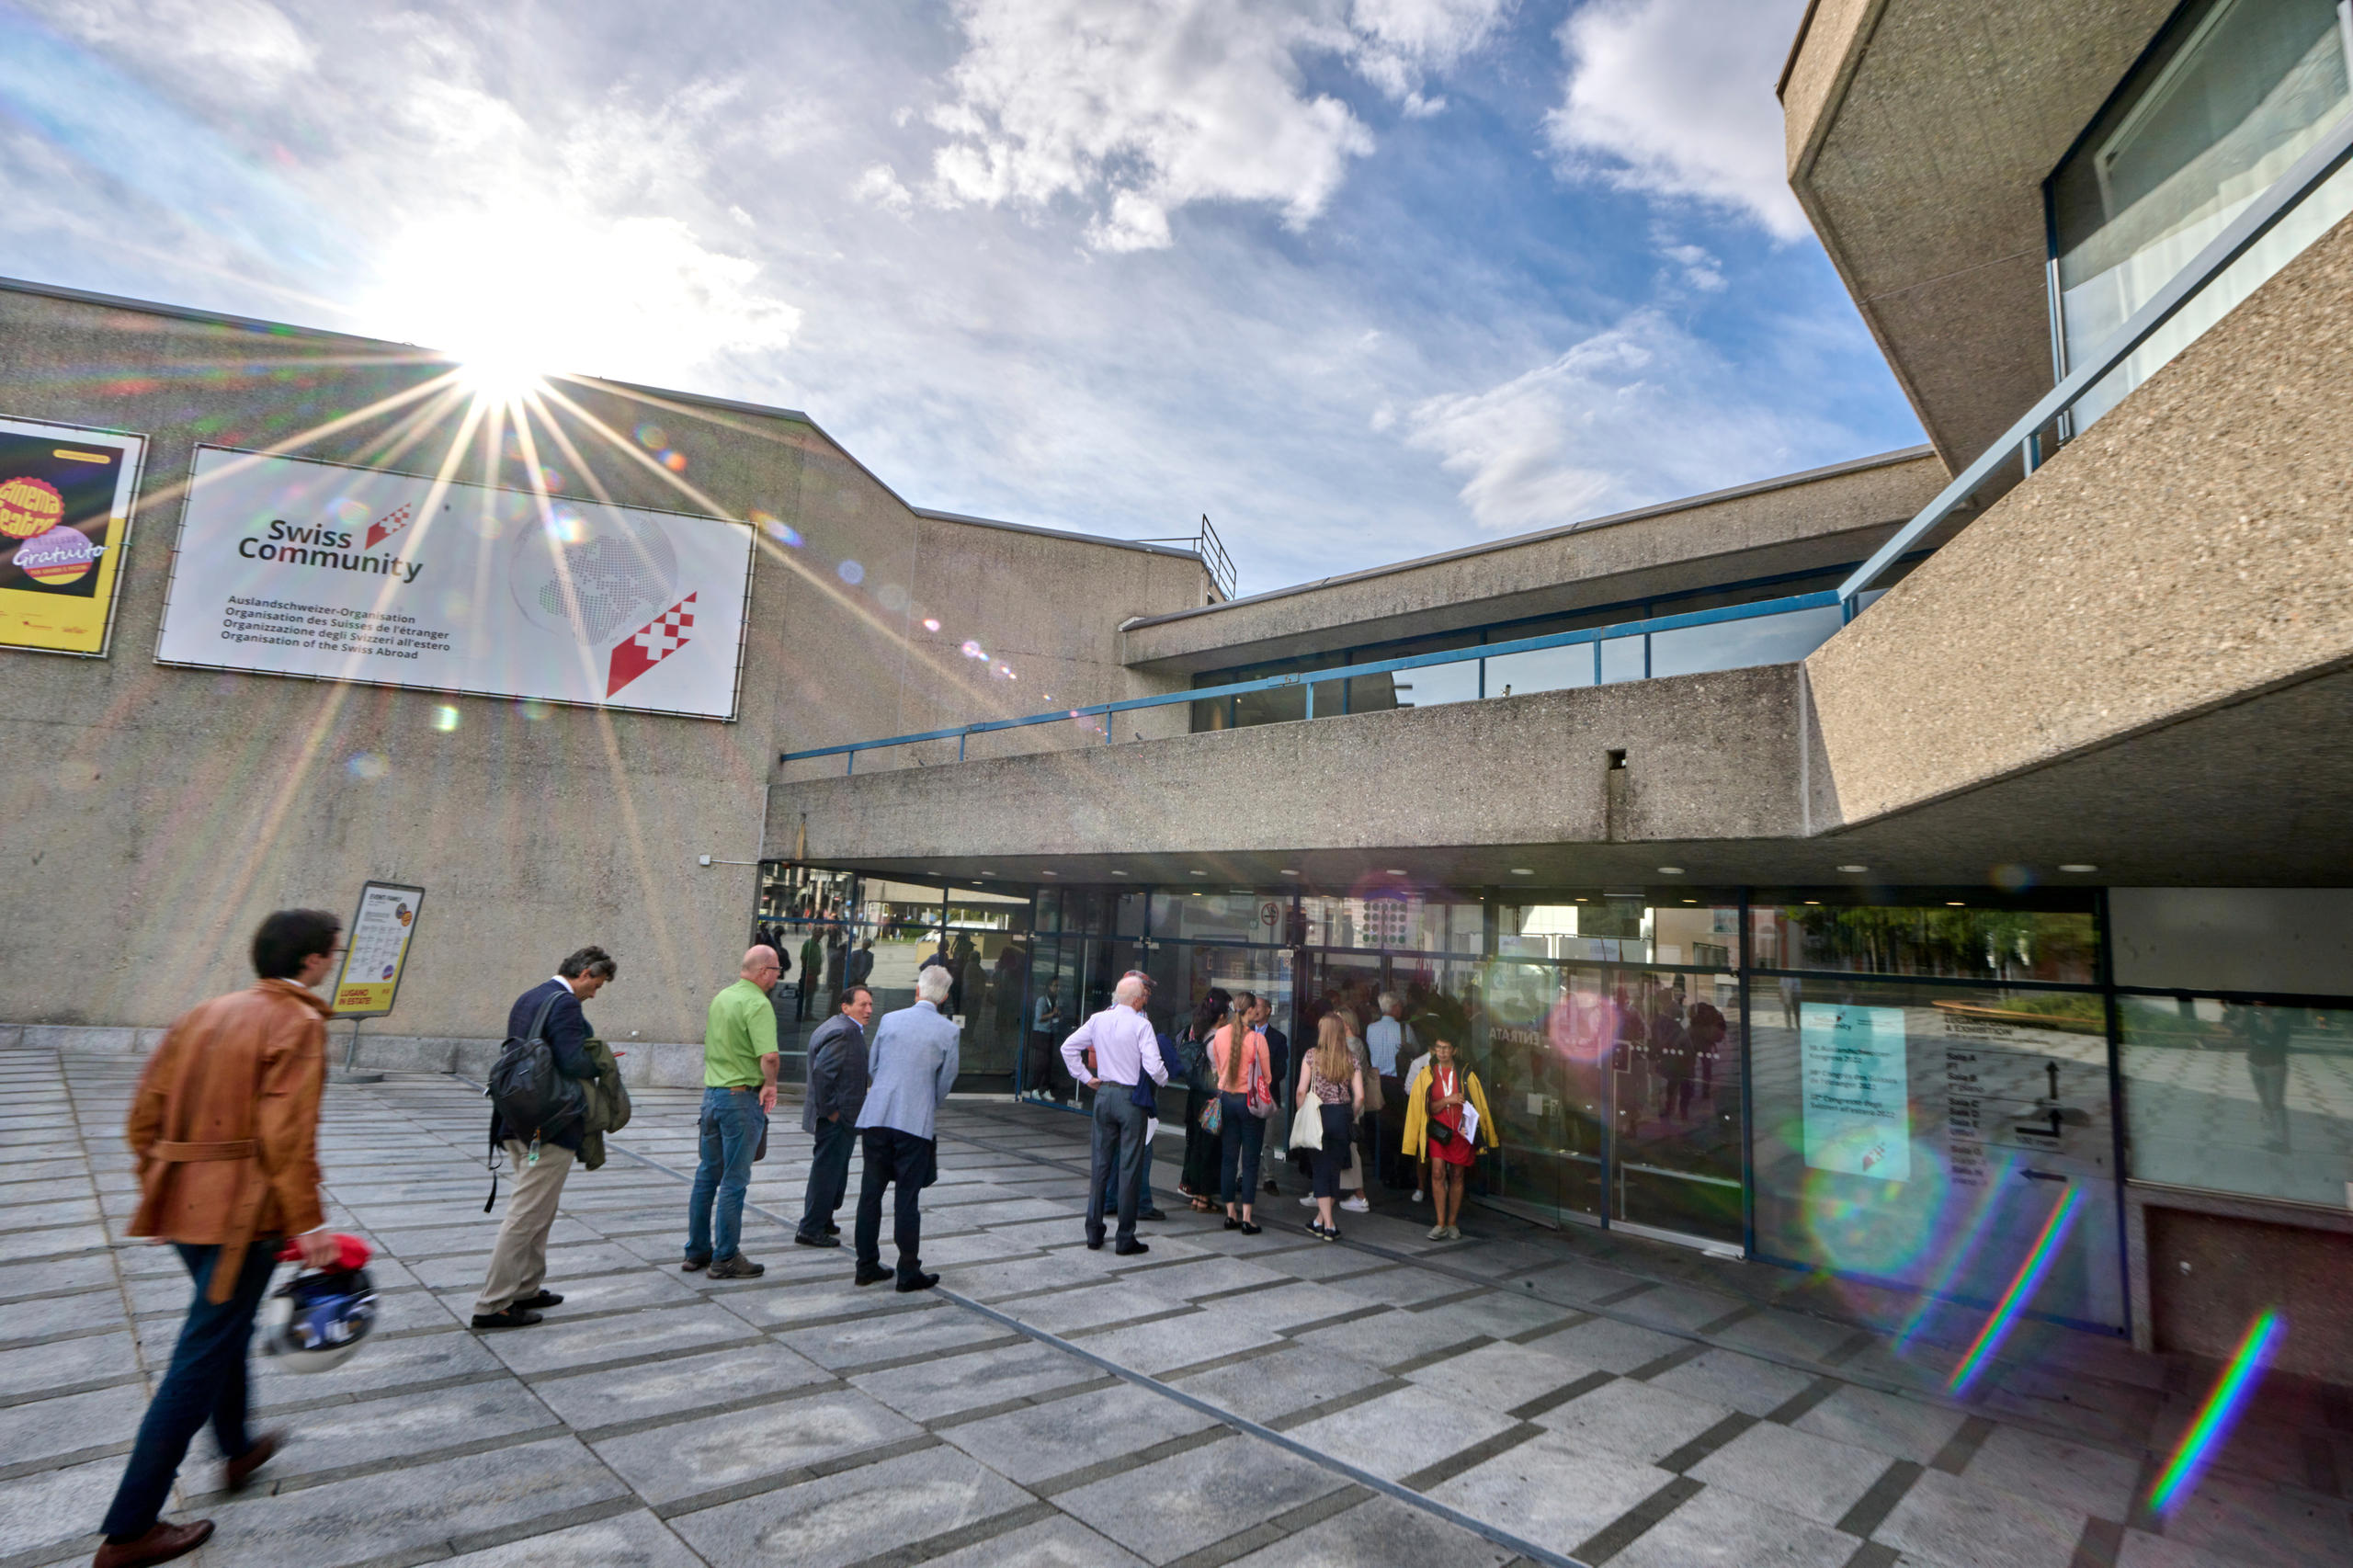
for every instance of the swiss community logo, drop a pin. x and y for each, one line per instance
(650, 645)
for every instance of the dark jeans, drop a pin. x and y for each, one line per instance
(1389, 1137)
(1120, 1151)
(732, 1124)
(206, 1382)
(1332, 1157)
(828, 1175)
(1242, 1137)
(1201, 1148)
(908, 1162)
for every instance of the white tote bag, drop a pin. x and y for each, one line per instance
(1307, 1127)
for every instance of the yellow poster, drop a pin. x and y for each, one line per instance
(65, 495)
(376, 950)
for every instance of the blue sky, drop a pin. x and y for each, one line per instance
(1359, 278)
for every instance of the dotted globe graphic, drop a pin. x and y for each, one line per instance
(591, 576)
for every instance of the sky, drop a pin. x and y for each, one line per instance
(1358, 279)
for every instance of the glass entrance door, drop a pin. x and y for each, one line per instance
(1675, 1096)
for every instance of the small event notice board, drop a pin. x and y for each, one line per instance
(64, 515)
(376, 950)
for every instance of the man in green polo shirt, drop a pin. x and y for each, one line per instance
(739, 1090)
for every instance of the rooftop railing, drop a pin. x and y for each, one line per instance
(2022, 441)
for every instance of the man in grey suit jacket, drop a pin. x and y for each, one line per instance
(914, 1062)
(837, 1084)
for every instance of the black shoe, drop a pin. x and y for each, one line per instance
(1151, 1214)
(1129, 1249)
(1232, 1223)
(1095, 1244)
(918, 1282)
(543, 1300)
(1250, 1227)
(824, 1241)
(736, 1266)
(871, 1276)
(513, 1317)
(695, 1264)
(832, 1229)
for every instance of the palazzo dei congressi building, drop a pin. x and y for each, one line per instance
(1889, 870)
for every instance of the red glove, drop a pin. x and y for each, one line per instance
(351, 1252)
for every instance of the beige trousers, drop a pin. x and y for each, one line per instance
(519, 1263)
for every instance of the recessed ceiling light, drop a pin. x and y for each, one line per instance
(1289, 873)
(1119, 873)
(1854, 868)
(1955, 904)
(1813, 900)
(1690, 900)
(1396, 871)
(2078, 866)
(1670, 870)
(1046, 873)
(1198, 874)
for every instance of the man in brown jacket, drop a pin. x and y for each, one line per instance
(225, 1125)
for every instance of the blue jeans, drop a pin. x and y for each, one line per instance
(206, 1382)
(1244, 1135)
(732, 1124)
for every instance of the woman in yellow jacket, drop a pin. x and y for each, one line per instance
(1434, 1103)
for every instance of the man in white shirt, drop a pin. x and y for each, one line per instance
(1385, 1042)
(1126, 1053)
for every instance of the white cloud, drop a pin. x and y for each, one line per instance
(878, 185)
(1402, 40)
(1640, 413)
(1137, 108)
(1675, 98)
(237, 47)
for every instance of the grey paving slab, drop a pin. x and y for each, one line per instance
(1403, 1431)
(20, 1244)
(1176, 1506)
(414, 1511)
(47, 1428)
(1067, 1435)
(787, 1306)
(1583, 1282)
(390, 1363)
(625, 1540)
(1058, 1543)
(82, 1210)
(2098, 1481)
(1498, 1376)
(1214, 1275)
(1288, 1307)
(44, 1317)
(929, 1390)
(1188, 1341)
(1797, 1472)
(1723, 1530)
(864, 1341)
(1265, 1387)
(336, 1436)
(1380, 1532)
(57, 1277)
(1553, 1491)
(594, 1400)
(1787, 1334)
(2140, 1550)
(686, 1458)
(1610, 1345)
(1681, 1306)
(1093, 1306)
(56, 1506)
(1734, 1380)
(66, 1362)
(993, 1281)
(1399, 1286)
(1951, 1520)
(555, 1345)
(852, 1515)
(1632, 1419)
(1499, 1313)
(1899, 1428)
(2261, 1526)
(462, 1238)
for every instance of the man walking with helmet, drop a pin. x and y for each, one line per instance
(225, 1125)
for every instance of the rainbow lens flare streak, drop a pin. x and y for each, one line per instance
(2219, 1413)
(1964, 1248)
(2022, 1289)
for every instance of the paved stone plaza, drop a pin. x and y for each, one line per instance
(1266, 1399)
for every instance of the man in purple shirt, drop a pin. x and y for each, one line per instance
(1126, 1053)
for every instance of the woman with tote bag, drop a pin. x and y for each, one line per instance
(1332, 1083)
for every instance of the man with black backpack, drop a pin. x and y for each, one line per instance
(540, 1156)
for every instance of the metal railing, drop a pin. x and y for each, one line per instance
(2023, 440)
(1212, 550)
(1310, 679)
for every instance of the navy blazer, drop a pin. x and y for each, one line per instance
(567, 1032)
(837, 1080)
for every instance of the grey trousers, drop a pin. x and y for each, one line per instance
(519, 1263)
(1119, 1145)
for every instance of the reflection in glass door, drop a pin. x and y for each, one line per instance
(1674, 1095)
(1541, 1065)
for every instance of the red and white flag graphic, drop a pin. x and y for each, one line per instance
(390, 524)
(654, 642)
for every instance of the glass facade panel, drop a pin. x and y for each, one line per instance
(1674, 1071)
(1434, 685)
(1922, 1136)
(2248, 1098)
(1623, 658)
(1546, 669)
(1737, 644)
(988, 958)
(2234, 94)
(1957, 938)
(1238, 915)
(1545, 1063)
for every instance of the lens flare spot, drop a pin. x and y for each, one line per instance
(891, 596)
(850, 572)
(1865, 1226)
(445, 718)
(2010, 876)
(974, 650)
(534, 709)
(776, 528)
(566, 525)
(368, 765)
(931, 623)
(2220, 1412)
(651, 437)
(673, 461)
(551, 481)
(350, 513)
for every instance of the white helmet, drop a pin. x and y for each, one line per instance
(317, 1319)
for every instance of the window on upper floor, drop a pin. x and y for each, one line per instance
(2232, 94)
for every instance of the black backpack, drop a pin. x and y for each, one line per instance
(528, 1096)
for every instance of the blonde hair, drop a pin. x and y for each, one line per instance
(1335, 1062)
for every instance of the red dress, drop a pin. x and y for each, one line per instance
(1455, 1150)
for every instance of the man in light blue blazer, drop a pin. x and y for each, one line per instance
(912, 1063)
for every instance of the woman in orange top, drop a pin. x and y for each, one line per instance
(1242, 1131)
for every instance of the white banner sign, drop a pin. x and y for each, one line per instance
(292, 567)
(1857, 1090)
